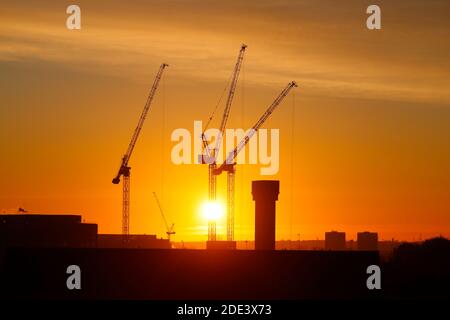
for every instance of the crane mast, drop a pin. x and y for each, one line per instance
(230, 166)
(124, 169)
(212, 156)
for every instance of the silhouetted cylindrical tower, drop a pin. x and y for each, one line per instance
(265, 194)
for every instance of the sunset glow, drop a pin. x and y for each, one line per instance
(212, 210)
(364, 141)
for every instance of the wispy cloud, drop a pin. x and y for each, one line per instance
(281, 48)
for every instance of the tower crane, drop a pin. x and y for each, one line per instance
(230, 166)
(169, 230)
(124, 169)
(212, 154)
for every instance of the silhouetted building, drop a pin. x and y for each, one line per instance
(221, 245)
(137, 241)
(367, 240)
(46, 230)
(265, 194)
(334, 240)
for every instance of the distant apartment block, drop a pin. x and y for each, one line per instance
(335, 240)
(367, 241)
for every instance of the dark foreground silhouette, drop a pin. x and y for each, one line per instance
(415, 271)
(419, 270)
(187, 274)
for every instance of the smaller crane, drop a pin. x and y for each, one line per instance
(169, 230)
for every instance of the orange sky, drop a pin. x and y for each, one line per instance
(370, 145)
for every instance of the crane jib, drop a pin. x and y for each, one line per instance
(124, 164)
(226, 113)
(138, 129)
(233, 154)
